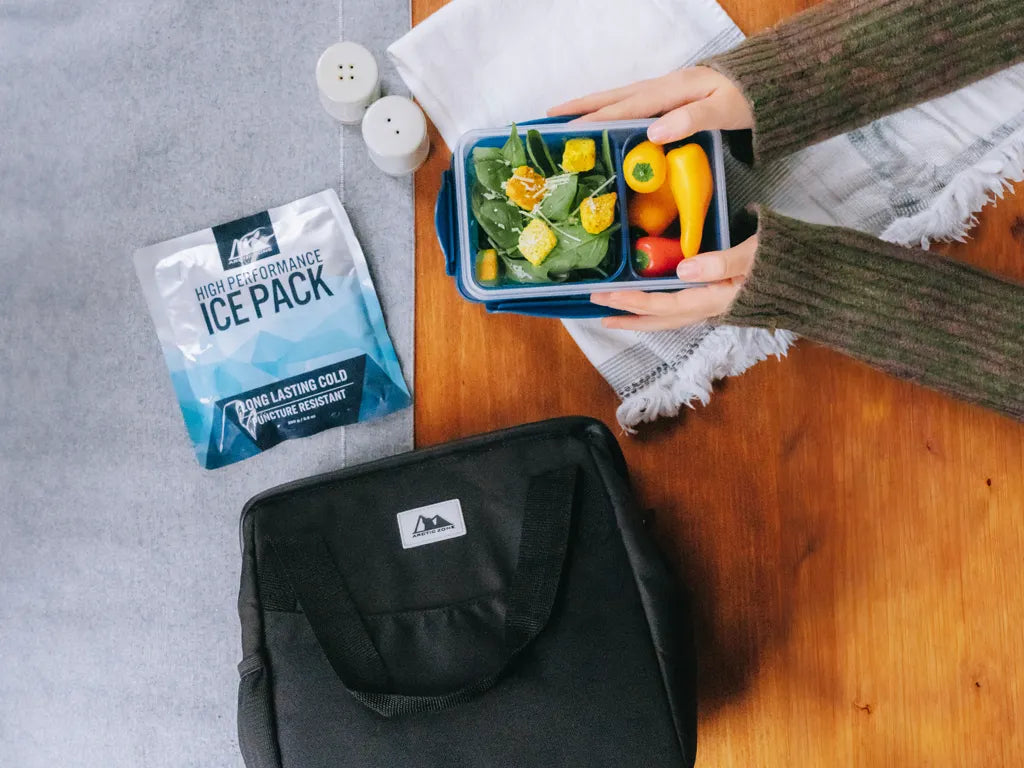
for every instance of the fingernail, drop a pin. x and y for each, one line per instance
(689, 269)
(596, 298)
(658, 133)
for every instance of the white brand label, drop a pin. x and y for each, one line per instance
(435, 522)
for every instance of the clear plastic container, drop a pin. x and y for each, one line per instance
(458, 230)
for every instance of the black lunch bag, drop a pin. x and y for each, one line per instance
(491, 602)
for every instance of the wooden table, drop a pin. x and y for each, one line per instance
(853, 543)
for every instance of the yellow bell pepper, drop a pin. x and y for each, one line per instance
(689, 178)
(645, 167)
(598, 213)
(487, 266)
(653, 212)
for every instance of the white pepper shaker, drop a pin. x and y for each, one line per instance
(349, 81)
(395, 134)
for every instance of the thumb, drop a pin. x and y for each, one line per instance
(713, 266)
(703, 115)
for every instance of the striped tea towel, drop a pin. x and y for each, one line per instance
(911, 177)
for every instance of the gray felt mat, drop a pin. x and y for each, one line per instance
(123, 124)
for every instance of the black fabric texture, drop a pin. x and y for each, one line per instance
(587, 663)
(275, 593)
(255, 719)
(333, 617)
(339, 627)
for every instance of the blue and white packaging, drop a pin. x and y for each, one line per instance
(271, 329)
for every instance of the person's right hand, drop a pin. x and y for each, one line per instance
(689, 100)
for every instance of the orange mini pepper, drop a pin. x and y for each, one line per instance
(653, 212)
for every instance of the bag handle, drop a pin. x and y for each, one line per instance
(339, 628)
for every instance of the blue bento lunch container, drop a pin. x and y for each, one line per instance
(457, 228)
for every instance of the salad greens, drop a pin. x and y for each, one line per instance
(540, 154)
(561, 192)
(578, 254)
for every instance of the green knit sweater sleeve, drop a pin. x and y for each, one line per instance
(845, 63)
(914, 314)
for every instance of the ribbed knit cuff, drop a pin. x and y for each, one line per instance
(914, 314)
(844, 63)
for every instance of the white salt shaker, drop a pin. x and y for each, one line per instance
(349, 81)
(395, 134)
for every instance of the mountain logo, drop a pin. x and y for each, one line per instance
(245, 240)
(425, 525)
(251, 246)
(432, 523)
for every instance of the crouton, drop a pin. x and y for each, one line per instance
(526, 188)
(579, 156)
(537, 241)
(598, 213)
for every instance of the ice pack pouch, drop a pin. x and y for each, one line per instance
(271, 329)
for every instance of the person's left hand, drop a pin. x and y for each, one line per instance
(724, 271)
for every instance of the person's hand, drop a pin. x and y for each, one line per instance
(724, 271)
(689, 100)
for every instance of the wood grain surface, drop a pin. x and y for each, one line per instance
(853, 543)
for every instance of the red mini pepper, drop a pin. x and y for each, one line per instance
(657, 256)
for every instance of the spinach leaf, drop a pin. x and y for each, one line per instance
(491, 169)
(578, 249)
(587, 186)
(513, 151)
(519, 270)
(487, 153)
(499, 219)
(557, 203)
(540, 155)
(493, 174)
